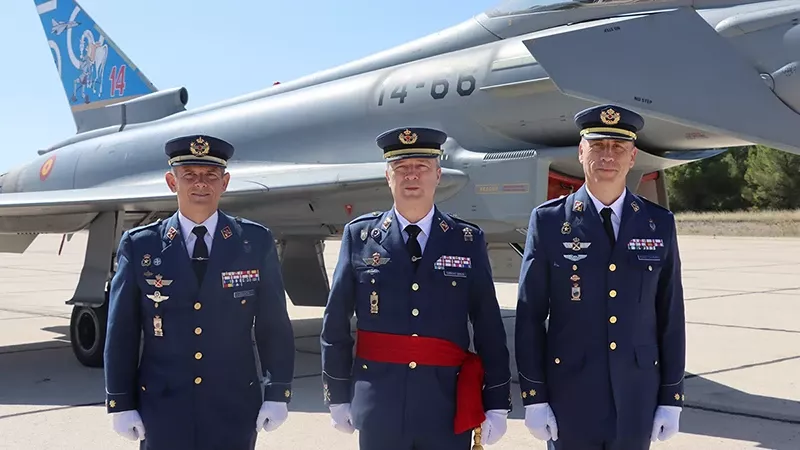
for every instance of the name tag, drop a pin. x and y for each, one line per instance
(450, 273)
(247, 293)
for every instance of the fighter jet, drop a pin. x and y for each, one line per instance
(708, 75)
(60, 27)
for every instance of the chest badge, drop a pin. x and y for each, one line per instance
(467, 234)
(158, 326)
(159, 282)
(376, 260)
(373, 303)
(576, 244)
(157, 297)
(566, 228)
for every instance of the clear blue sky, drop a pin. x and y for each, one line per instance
(227, 47)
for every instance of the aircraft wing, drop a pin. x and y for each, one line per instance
(260, 182)
(670, 65)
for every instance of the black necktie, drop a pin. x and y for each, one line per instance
(606, 213)
(200, 255)
(413, 245)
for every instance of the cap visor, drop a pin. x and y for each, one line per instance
(595, 136)
(412, 155)
(197, 162)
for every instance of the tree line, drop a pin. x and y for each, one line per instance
(745, 178)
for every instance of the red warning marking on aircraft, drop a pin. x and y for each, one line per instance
(47, 167)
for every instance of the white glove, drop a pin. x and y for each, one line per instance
(494, 427)
(541, 421)
(341, 418)
(128, 424)
(271, 415)
(665, 423)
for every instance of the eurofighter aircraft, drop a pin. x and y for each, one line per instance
(708, 75)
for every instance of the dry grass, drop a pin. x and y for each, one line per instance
(740, 223)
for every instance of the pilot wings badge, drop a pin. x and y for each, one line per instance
(157, 297)
(376, 260)
(576, 244)
(159, 282)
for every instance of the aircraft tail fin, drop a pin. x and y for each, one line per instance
(674, 66)
(94, 72)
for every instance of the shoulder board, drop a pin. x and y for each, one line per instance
(366, 216)
(553, 202)
(148, 226)
(244, 221)
(650, 203)
(462, 221)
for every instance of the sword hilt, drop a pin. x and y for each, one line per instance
(477, 439)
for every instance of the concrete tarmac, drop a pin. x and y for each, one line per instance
(743, 363)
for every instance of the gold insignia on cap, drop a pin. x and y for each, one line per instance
(407, 137)
(609, 116)
(199, 147)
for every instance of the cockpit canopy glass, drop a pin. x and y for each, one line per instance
(517, 7)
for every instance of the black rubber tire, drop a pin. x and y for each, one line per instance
(87, 333)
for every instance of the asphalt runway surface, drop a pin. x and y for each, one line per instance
(743, 361)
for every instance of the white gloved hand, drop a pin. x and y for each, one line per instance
(341, 418)
(494, 427)
(665, 423)
(541, 421)
(128, 424)
(271, 415)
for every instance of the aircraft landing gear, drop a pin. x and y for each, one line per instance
(87, 333)
(87, 326)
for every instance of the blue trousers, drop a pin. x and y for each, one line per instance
(576, 443)
(379, 441)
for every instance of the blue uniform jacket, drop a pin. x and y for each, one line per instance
(614, 347)
(197, 385)
(439, 300)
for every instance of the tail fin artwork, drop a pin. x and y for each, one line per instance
(92, 69)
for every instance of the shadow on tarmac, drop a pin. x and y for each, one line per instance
(46, 376)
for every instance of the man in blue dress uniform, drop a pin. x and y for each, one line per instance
(415, 278)
(607, 370)
(201, 286)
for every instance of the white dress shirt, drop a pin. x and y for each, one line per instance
(189, 238)
(616, 209)
(424, 224)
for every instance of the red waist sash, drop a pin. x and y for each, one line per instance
(400, 349)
